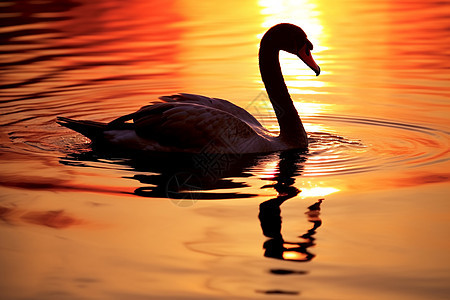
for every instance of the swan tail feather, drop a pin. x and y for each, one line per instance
(90, 129)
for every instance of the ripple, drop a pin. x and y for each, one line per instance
(390, 144)
(378, 145)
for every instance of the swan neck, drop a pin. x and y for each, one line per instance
(290, 124)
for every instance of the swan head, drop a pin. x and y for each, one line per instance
(292, 39)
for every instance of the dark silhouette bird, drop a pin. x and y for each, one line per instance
(193, 123)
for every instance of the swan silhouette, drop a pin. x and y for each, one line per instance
(193, 123)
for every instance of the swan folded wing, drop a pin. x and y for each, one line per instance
(216, 103)
(192, 127)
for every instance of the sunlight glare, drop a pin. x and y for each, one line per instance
(293, 255)
(302, 13)
(269, 170)
(305, 14)
(318, 191)
(309, 109)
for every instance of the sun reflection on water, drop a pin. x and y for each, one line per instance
(293, 255)
(318, 191)
(305, 14)
(270, 170)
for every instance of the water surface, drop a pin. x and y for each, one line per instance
(83, 223)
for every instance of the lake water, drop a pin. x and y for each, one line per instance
(82, 223)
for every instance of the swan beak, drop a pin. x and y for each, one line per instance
(305, 55)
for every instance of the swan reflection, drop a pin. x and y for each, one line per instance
(185, 181)
(270, 214)
(183, 178)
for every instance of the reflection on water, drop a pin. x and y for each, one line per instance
(187, 227)
(270, 214)
(187, 179)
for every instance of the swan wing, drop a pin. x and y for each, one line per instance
(191, 127)
(216, 103)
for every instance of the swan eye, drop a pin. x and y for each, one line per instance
(309, 47)
(307, 51)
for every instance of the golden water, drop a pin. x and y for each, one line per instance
(76, 223)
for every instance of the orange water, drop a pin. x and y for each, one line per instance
(82, 224)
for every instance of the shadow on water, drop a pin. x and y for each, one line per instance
(186, 179)
(202, 176)
(183, 178)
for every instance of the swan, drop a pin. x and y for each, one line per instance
(190, 123)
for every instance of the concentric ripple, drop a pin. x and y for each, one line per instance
(386, 144)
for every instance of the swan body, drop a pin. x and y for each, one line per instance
(193, 123)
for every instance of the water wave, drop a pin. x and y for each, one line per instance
(392, 144)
